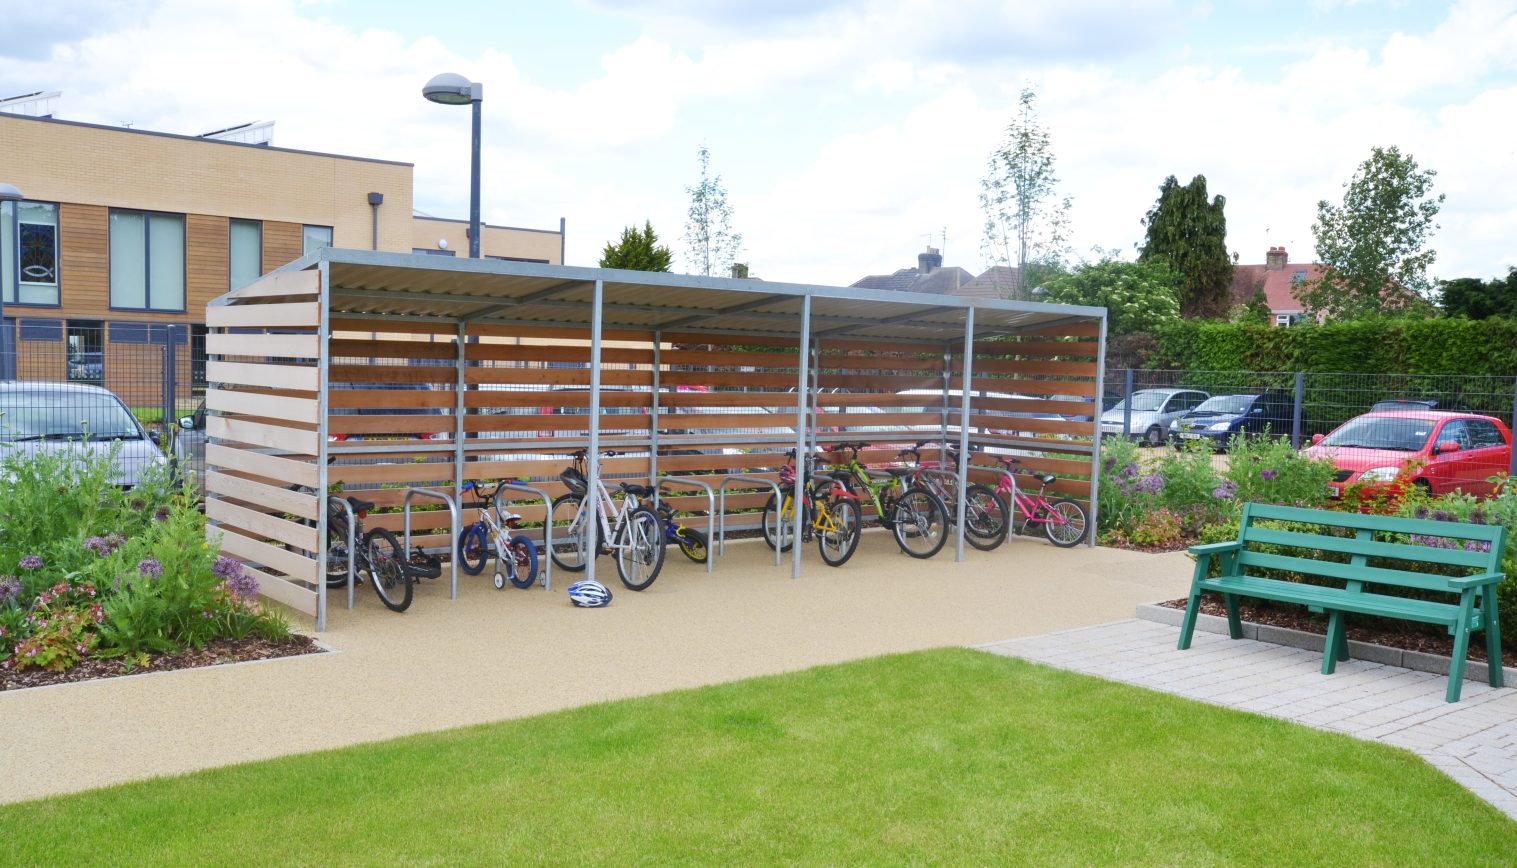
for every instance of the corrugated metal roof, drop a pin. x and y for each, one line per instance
(373, 284)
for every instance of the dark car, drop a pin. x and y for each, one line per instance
(1222, 417)
(1420, 404)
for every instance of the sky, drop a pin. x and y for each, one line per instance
(849, 134)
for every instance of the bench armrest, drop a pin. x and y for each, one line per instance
(1215, 548)
(1476, 581)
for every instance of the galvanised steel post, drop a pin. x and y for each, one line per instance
(477, 96)
(170, 382)
(1127, 404)
(958, 536)
(1296, 410)
(653, 410)
(1095, 450)
(1512, 468)
(802, 402)
(592, 504)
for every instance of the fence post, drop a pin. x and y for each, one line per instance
(1296, 410)
(170, 383)
(1127, 404)
(1512, 463)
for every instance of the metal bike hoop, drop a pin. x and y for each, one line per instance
(546, 561)
(692, 482)
(453, 529)
(721, 508)
(321, 590)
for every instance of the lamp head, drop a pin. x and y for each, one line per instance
(450, 88)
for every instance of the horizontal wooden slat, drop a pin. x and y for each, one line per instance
(1027, 368)
(297, 377)
(379, 349)
(278, 315)
(292, 564)
(269, 406)
(297, 503)
(1353, 572)
(275, 346)
(301, 536)
(258, 434)
(281, 284)
(270, 466)
(280, 590)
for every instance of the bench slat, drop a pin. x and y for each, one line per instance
(1347, 572)
(1337, 598)
(1370, 548)
(1388, 524)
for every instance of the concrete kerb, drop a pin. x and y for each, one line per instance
(1418, 661)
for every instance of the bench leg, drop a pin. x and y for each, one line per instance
(1188, 623)
(1343, 643)
(1492, 635)
(1234, 624)
(1461, 645)
(1331, 643)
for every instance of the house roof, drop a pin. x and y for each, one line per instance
(1279, 286)
(998, 281)
(940, 281)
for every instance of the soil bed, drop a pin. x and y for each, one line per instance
(1409, 639)
(213, 654)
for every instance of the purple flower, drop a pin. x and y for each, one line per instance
(104, 545)
(1226, 490)
(1442, 515)
(1266, 475)
(1477, 516)
(31, 562)
(1129, 470)
(243, 585)
(1150, 484)
(149, 568)
(10, 589)
(1419, 512)
(161, 515)
(226, 567)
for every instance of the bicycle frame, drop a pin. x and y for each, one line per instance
(604, 505)
(861, 474)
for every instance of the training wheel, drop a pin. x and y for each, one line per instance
(500, 581)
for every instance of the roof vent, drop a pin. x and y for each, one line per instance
(41, 104)
(254, 133)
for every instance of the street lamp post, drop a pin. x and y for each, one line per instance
(453, 89)
(10, 194)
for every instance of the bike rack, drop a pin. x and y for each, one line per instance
(545, 563)
(721, 508)
(452, 535)
(1011, 506)
(352, 544)
(692, 482)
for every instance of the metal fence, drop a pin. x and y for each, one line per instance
(1325, 414)
(124, 398)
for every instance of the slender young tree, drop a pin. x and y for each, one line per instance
(1026, 224)
(710, 244)
(1188, 233)
(637, 250)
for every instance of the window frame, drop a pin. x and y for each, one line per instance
(12, 263)
(331, 240)
(257, 223)
(147, 262)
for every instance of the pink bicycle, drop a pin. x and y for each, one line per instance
(1063, 521)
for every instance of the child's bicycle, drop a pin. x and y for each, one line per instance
(692, 543)
(490, 534)
(915, 516)
(830, 513)
(1063, 521)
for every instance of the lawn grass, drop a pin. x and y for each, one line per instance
(944, 756)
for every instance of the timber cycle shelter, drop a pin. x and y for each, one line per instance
(403, 377)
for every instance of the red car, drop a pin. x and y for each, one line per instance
(1441, 451)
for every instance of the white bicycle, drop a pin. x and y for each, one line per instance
(629, 531)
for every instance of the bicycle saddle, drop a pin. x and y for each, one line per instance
(1045, 478)
(360, 505)
(637, 490)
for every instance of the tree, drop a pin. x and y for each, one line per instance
(1188, 233)
(1473, 298)
(711, 244)
(1371, 247)
(1138, 296)
(638, 251)
(1025, 225)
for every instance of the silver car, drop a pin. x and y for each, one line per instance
(1152, 411)
(37, 417)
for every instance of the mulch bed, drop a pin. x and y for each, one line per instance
(1409, 639)
(213, 654)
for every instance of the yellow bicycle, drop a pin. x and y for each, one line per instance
(832, 515)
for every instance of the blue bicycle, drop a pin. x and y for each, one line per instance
(692, 543)
(515, 555)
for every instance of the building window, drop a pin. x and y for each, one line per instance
(315, 238)
(244, 252)
(429, 251)
(147, 261)
(86, 356)
(1298, 277)
(29, 253)
(1282, 319)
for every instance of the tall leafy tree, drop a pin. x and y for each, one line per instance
(711, 244)
(637, 250)
(1187, 232)
(1473, 298)
(1373, 247)
(1138, 296)
(1026, 224)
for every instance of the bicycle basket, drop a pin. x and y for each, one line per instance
(575, 481)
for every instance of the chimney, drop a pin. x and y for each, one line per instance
(930, 261)
(740, 270)
(1275, 259)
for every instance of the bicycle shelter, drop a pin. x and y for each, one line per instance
(385, 373)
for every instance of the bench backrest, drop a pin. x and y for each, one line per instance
(1469, 548)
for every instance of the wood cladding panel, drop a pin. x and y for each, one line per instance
(282, 244)
(84, 265)
(205, 260)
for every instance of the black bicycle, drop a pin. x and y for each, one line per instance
(379, 558)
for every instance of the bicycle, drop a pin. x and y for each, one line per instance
(915, 516)
(379, 555)
(691, 542)
(635, 532)
(1063, 521)
(830, 514)
(985, 508)
(515, 555)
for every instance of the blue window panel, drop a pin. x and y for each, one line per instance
(42, 330)
(159, 334)
(129, 333)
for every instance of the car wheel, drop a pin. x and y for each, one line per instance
(1154, 436)
(1424, 486)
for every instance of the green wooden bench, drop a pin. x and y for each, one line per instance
(1399, 563)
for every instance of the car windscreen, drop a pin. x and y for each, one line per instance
(1232, 405)
(1144, 402)
(1381, 432)
(64, 415)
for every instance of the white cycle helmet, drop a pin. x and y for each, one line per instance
(589, 594)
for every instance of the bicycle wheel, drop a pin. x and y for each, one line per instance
(387, 569)
(337, 556)
(692, 544)
(920, 522)
(986, 520)
(640, 548)
(779, 525)
(1064, 522)
(473, 548)
(840, 538)
(570, 525)
(524, 552)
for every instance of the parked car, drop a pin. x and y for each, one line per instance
(40, 417)
(188, 448)
(1421, 404)
(1152, 411)
(1223, 417)
(1443, 451)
